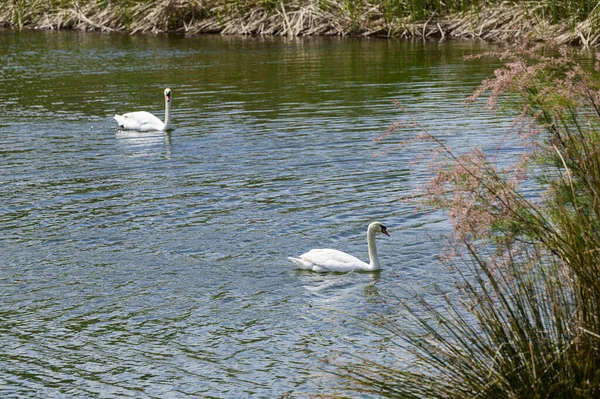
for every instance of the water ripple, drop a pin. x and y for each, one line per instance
(154, 265)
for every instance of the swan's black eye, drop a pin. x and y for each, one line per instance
(383, 228)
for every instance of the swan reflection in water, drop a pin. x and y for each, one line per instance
(145, 143)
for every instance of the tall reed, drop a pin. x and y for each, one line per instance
(524, 321)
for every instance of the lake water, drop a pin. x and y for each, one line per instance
(155, 265)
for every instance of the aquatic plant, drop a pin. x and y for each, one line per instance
(524, 319)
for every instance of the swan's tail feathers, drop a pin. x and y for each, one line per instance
(120, 120)
(300, 263)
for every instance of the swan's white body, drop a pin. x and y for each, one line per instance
(332, 260)
(144, 121)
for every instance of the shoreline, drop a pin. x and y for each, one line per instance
(504, 22)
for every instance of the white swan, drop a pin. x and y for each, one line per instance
(144, 121)
(332, 260)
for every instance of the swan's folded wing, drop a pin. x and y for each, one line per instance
(139, 120)
(332, 260)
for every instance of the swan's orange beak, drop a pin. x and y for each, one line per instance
(168, 97)
(384, 231)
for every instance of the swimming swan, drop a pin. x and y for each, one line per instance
(331, 260)
(144, 121)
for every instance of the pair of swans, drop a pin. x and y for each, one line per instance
(143, 121)
(332, 260)
(318, 260)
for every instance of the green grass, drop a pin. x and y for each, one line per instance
(524, 321)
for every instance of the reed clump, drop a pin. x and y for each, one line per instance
(493, 20)
(524, 320)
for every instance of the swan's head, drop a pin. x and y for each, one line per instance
(168, 95)
(379, 228)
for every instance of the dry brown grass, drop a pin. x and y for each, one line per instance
(504, 22)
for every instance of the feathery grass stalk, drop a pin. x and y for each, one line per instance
(525, 319)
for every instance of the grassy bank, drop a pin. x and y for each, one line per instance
(573, 22)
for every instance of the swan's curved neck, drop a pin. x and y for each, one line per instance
(167, 114)
(373, 258)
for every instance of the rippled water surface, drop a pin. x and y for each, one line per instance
(155, 265)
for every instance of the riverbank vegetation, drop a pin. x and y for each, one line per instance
(573, 22)
(524, 319)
